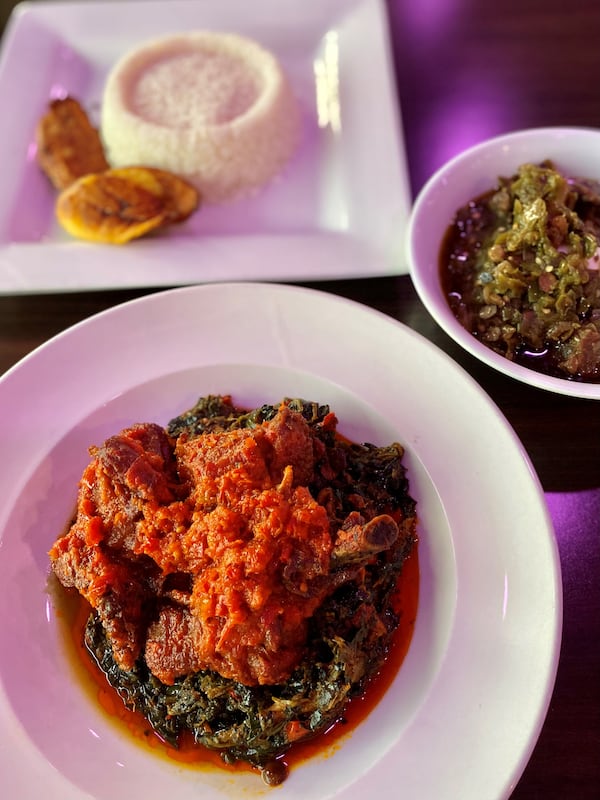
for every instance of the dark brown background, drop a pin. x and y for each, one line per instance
(467, 70)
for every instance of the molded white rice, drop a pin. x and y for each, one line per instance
(215, 108)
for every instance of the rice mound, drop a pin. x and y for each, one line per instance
(214, 108)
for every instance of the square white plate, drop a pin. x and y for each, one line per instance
(339, 209)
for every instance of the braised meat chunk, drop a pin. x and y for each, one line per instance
(128, 475)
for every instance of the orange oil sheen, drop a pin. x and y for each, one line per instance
(73, 611)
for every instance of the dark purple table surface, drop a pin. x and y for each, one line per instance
(467, 70)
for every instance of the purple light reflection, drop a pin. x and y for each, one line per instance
(454, 99)
(430, 17)
(576, 514)
(468, 116)
(576, 518)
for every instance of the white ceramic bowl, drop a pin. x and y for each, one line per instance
(574, 150)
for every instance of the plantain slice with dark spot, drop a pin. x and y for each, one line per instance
(118, 205)
(180, 197)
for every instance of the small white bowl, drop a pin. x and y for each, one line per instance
(576, 151)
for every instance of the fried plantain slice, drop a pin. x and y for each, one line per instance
(68, 146)
(116, 206)
(108, 208)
